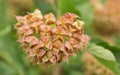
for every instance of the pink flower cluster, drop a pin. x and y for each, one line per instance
(48, 40)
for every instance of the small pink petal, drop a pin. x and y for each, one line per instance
(55, 37)
(31, 53)
(64, 50)
(41, 53)
(20, 18)
(49, 45)
(64, 32)
(55, 51)
(28, 39)
(65, 58)
(54, 30)
(45, 28)
(49, 54)
(58, 57)
(29, 32)
(28, 17)
(77, 45)
(78, 24)
(53, 60)
(49, 18)
(67, 20)
(72, 52)
(45, 39)
(85, 38)
(58, 22)
(58, 44)
(21, 39)
(40, 44)
(38, 13)
(34, 41)
(24, 27)
(77, 36)
(44, 59)
(70, 16)
(72, 41)
(67, 45)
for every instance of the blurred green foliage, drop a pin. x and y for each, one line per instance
(3, 11)
(14, 62)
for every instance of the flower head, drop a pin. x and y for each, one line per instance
(48, 40)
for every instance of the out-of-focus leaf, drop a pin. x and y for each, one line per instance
(75, 64)
(117, 40)
(101, 52)
(5, 69)
(45, 7)
(75, 73)
(87, 16)
(103, 1)
(2, 12)
(78, 2)
(105, 56)
(113, 49)
(66, 6)
(13, 56)
(8, 60)
(4, 30)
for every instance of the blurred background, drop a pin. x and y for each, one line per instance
(102, 21)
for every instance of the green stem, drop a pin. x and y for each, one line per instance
(53, 5)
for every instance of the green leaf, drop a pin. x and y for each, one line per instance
(101, 52)
(66, 6)
(113, 49)
(105, 56)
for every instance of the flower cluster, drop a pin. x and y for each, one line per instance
(48, 40)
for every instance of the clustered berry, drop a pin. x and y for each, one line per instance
(48, 40)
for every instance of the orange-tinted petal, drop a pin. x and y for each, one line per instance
(58, 44)
(55, 51)
(49, 18)
(53, 60)
(38, 13)
(40, 44)
(67, 45)
(41, 53)
(45, 28)
(78, 24)
(44, 59)
(49, 45)
(49, 54)
(45, 39)
(65, 58)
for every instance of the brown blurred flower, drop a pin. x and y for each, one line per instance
(48, 40)
(107, 18)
